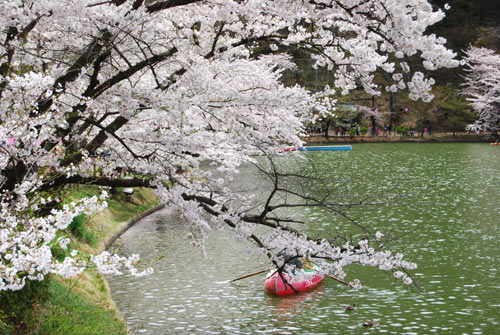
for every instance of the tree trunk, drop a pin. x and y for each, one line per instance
(374, 125)
(327, 129)
(392, 110)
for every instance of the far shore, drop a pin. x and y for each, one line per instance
(392, 138)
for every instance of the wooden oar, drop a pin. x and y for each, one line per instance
(249, 275)
(339, 280)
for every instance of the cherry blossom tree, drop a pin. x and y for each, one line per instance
(482, 88)
(162, 87)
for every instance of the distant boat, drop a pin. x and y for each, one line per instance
(320, 148)
(302, 280)
(329, 147)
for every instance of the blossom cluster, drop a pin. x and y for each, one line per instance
(336, 258)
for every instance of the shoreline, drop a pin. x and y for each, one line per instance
(434, 138)
(82, 304)
(108, 241)
(106, 227)
(123, 228)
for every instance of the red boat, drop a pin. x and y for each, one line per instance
(302, 280)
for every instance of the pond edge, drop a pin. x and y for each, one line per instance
(130, 223)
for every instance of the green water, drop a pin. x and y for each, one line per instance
(443, 214)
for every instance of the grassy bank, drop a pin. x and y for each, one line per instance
(83, 305)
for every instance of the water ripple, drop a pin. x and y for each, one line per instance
(446, 215)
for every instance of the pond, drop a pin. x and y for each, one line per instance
(443, 213)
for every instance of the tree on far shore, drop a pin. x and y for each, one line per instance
(482, 88)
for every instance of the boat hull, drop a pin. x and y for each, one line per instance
(302, 281)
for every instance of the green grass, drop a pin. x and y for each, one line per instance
(67, 313)
(49, 307)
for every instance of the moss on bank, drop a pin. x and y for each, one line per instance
(80, 305)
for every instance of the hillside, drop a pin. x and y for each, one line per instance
(466, 23)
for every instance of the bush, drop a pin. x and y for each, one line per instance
(363, 130)
(352, 132)
(402, 130)
(76, 226)
(18, 308)
(58, 252)
(78, 230)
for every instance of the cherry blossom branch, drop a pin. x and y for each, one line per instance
(132, 70)
(162, 5)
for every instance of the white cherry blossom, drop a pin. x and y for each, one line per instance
(482, 88)
(171, 94)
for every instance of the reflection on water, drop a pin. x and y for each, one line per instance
(288, 306)
(447, 221)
